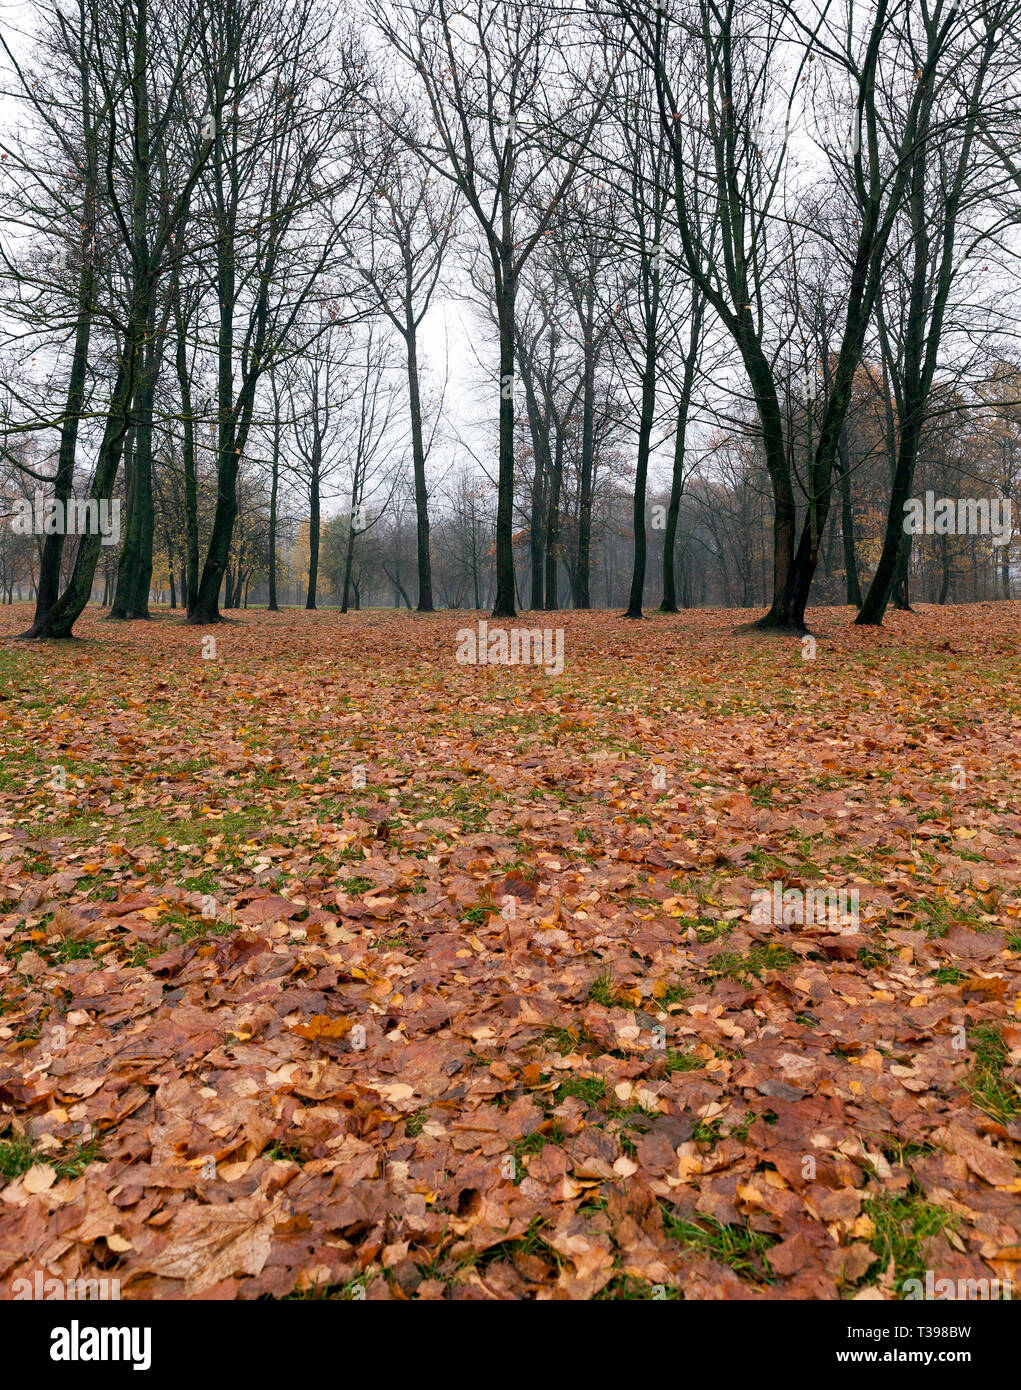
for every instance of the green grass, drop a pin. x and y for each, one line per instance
(189, 927)
(603, 990)
(466, 806)
(712, 1132)
(391, 942)
(681, 1061)
(478, 915)
(623, 1288)
(762, 794)
(18, 1154)
(744, 1250)
(60, 952)
(898, 1151)
(707, 928)
(755, 961)
(533, 1143)
(16, 1157)
(673, 994)
(568, 1040)
(202, 883)
(531, 1243)
(939, 915)
(74, 1163)
(415, 1123)
(990, 1088)
(590, 1089)
(948, 975)
(55, 952)
(327, 1292)
(904, 1222)
(287, 1152)
(356, 884)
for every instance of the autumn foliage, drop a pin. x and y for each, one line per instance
(328, 964)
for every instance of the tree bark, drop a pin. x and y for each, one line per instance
(503, 602)
(425, 581)
(648, 416)
(583, 565)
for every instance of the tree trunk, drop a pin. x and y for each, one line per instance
(582, 598)
(313, 523)
(648, 416)
(901, 586)
(425, 581)
(553, 526)
(503, 603)
(134, 569)
(847, 523)
(348, 562)
(190, 571)
(235, 417)
(669, 603)
(538, 427)
(53, 543)
(271, 602)
(60, 620)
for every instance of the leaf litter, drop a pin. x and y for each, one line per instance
(333, 968)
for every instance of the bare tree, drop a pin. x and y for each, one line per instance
(508, 128)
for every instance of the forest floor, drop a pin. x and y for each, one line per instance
(502, 1022)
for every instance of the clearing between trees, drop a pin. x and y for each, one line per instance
(333, 965)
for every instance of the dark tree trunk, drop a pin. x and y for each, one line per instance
(235, 417)
(271, 601)
(313, 524)
(134, 569)
(190, 571)
(553, 526)
(901, 585)
(583, 565)
(425, 581)
(50, 559)
(535, 538)
(348, 564)
(847, 523)
(53, 544)
(60, 620)
(634, 608)
(669, 603)
(503, 603)
(538, 426)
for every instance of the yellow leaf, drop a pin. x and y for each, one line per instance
(397, 1090)
(39, 1177)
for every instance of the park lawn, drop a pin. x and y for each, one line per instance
(332, 967)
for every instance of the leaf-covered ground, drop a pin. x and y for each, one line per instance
(499, 1024)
